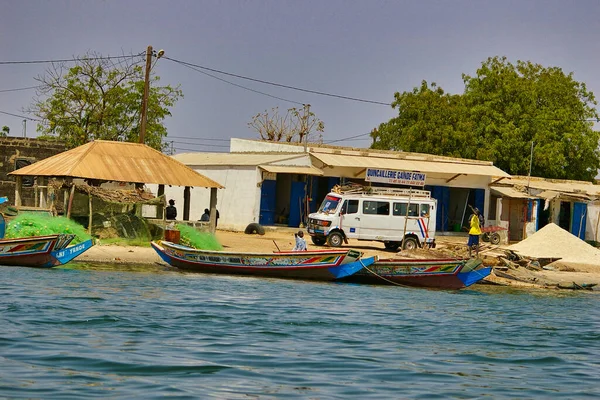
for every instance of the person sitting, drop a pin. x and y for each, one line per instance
(300, 242)
(171, 211)
(206, 216)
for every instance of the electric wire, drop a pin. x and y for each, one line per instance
(193, 138)
(21, 116)
(279, 84)
(70, 59)
(347, 138)
(235, 84)
(18, 89)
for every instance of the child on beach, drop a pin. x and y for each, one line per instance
(300, 242)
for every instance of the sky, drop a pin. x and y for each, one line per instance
(366, 50)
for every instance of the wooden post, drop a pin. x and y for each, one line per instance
(213, 210)
(90, 216)
(144, 112)
(70, 207)
(160, 210)
(18, 187)
(65, 201)
(186, 203)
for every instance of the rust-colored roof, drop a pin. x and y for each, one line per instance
(120, 162)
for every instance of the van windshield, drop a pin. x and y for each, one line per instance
(330, 204)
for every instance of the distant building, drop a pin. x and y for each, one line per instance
(275, 183)
(524, 205)
(18, 152)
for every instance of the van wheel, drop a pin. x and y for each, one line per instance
(409, 244)
(335, 239)
(254, 228)
(319, 241)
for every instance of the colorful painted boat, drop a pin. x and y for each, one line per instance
(41, 251)
(451, 273)
(323, 265)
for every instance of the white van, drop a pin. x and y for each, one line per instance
(397, 217)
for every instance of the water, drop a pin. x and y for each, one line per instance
(116, 332)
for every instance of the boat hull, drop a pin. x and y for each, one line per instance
(312, 265)
(438, 273)
(40, 251)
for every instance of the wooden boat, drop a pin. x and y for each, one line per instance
(450, 273)
(314, 265)
(41, 251)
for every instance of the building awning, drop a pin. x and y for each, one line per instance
(409, 163)
(507, 191)
(292, 169)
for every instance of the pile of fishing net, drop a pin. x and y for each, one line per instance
(32, 224)
(199, 240)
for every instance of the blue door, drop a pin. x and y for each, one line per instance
(297, 204)
(480, 199)
(578, 221)
(442, 195)
(2, 226)
(267, 203)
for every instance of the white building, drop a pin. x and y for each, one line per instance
(279, 183)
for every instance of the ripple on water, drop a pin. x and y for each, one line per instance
(116, 332)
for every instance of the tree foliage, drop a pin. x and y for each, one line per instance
(504, 108)
(100, 98)
(297, 125)
(5, 131)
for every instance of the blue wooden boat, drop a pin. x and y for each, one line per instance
(323, 265)
(41, 251)
(448, 273)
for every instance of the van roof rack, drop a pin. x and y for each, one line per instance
(370, 190)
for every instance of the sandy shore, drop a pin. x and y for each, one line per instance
(283, 239)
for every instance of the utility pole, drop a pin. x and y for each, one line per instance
(144, 113)
(24, 128)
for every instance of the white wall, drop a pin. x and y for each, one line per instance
(238, 203)
(592, 221)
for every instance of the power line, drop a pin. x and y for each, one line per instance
(198, 144)
(69, 59)
(348, 138)
(20, 116)
(193, 138)
(279, 84)
(235, 84)
(16, 90)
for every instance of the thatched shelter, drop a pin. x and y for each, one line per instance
(103, 161)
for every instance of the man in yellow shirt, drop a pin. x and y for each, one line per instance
(474, 232)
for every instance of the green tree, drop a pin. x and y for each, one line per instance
(504, 108)
(100, 98)
(429, 121)
(5, 131)
(297, 125)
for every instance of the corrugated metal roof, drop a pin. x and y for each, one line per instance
(240, 159)
(443, 166)
(119, 162)
(292, 169)
(559, 185)
(509, 191)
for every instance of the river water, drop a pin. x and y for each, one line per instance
(127, 332)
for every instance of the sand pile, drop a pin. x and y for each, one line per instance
(554, 242)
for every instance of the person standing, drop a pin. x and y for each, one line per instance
(171, 211)
(474, 232)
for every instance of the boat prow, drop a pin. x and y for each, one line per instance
(41, 251)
